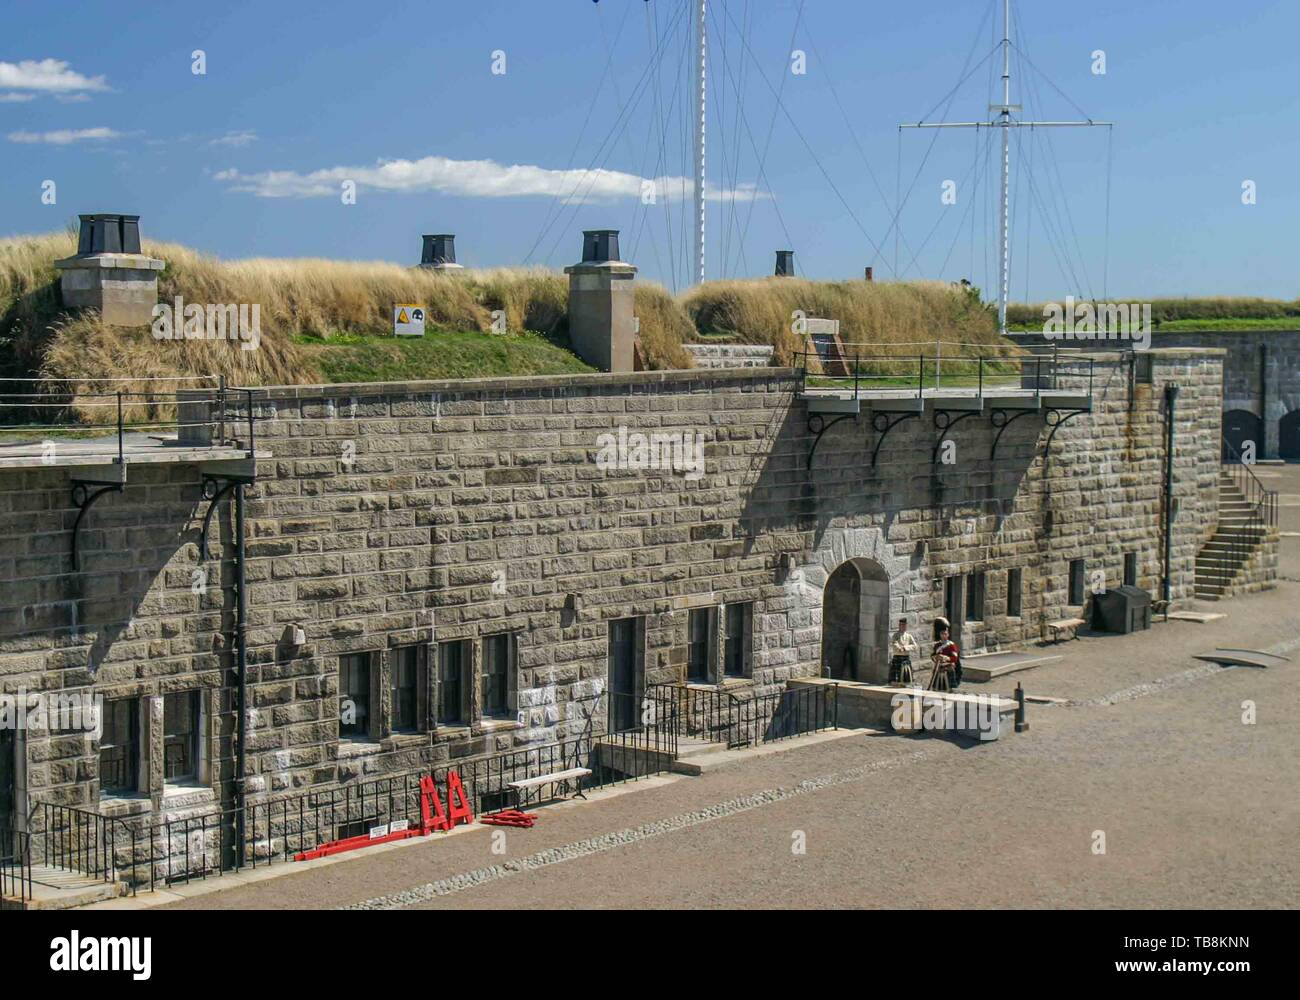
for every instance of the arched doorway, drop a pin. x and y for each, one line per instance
(1288, 436)
(1240, 426)
(855, 622)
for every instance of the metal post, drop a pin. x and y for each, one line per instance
(1004, 203)
(701, 63)
(1022, 725)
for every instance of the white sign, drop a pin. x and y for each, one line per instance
(408, 320)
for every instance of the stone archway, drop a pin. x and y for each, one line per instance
(1240, 426)
(855, 622)
(1288, 436)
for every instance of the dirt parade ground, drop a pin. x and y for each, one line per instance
(1146, 785)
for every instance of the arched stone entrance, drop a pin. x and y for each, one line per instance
(1240, 426)
(855, 622)
(1288, 436)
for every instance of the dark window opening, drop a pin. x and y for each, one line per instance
(1130, 569)
(452, 664)
(180, 735)
(496, 672)
(733, 658)
(697, 651)
(1077, 571)
(1013, 593)
(354, 696)
(623, 708)
(406, 688)
(119, 746)
(975, 597)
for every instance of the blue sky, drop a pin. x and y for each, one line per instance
(247, 159)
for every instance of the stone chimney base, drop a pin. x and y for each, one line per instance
(122, 286)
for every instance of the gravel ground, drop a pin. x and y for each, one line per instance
(1198, 809)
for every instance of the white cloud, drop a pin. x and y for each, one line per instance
(50, 75)
(64, 136)
(13, 97)
(470, 179)
(241, 138)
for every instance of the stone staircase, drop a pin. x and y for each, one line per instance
(1223, 564)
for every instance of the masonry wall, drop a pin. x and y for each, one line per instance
(414, 514)
(1266, 384)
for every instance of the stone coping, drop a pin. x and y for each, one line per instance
(594, 380)
(135, 261)
(518, 383)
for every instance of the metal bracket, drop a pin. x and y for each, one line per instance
(882, 425)
(1000, 420)
(943, 419)
(817, 424)
(215, 489)
(84, 494)
(1055, 421)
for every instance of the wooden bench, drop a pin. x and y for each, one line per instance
(574, 774)
(1065, 624)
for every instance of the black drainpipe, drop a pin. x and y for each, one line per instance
(241, 660)
(1171, 397)
(1262, 451)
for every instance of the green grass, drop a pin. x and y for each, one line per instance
(1272, 323)
(1195, 325)
(439, 354)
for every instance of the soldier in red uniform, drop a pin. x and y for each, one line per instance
(946, 657)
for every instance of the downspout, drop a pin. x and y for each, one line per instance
(1263, 451)
(1171, 398)
(241, 661)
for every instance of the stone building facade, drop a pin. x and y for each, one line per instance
(1261, 382)
(475, 566)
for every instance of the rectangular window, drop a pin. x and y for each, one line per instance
(496, 673)
(180, 736)
(354, 696)
(406, 688)
(733, 656)
(1077, 570)
(1130, 569)
(119, 746)
(975, 597)
(697, 644)
(453, 663)
(1013, 593)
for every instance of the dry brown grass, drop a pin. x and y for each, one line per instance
(296, 297)
(886, 317)
(328, 299)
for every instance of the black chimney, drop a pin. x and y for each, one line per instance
(785, 263)
(108, 234)
(599, 246)
(438, 249)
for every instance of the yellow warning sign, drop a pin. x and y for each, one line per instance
(408, 320)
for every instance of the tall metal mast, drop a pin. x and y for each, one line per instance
(1006, 123)
(701, 61)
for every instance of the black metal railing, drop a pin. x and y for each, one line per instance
(914, 374)
(146, 853)
(70, 413)
(1243, 533)
(745, 719)
(15, 867)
